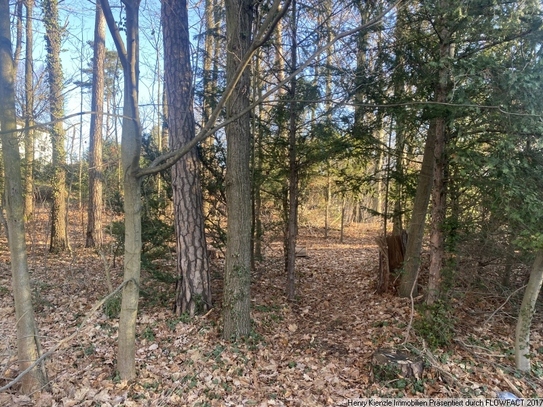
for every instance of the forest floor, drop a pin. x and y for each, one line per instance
(314, 352)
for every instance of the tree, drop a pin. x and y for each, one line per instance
(95, 208)
(28, 340)
(293, 186)
(237, 277)
(527, 309)
(130, 155)
(53, 39)
(29, 114)
(193, 293)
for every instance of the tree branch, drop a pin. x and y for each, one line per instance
(165, 161)
(67, 339)
(115, 33)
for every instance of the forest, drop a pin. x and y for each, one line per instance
(271, 203)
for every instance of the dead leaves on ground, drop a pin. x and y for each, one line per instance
(316, 351)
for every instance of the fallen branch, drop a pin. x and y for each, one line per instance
(503, 305)
(67, 339)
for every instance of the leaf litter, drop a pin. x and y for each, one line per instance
(315, 351)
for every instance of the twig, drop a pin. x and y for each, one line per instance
(411, 316)
(505, 302)
(450, 379)
(514, 388)
(67, 339)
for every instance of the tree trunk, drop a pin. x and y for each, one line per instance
(437, 249)
(342, 221)
(27, 338)
(418, 217)
(256, 165)
(437, 253)
(53, 37)
(94, 225)
(193, 292)
(130, 156)
(327, 200)
(29, 114)
(526, 313)
(293, 186)
(237, 278)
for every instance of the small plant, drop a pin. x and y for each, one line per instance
(148, 334)
(89, 350)
(112, 307)
(436, 325)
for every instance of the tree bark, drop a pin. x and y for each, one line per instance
(29, 114)
(130, 156)
(193, 293)
(293, 186)
(418, 217)
(526, 313)
(53, 37)
(27, 338)
(437, 249)
(237, 278)
(94, 225)
(438, 216)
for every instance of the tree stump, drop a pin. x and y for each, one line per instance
(388, 364)
(391, 257)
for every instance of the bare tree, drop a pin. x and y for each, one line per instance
(53, 39)
(29, 114)
(130, 155)
(28, 347)
(94, 225)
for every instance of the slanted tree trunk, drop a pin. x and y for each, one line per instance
(418, 217)
(29, 114)
(237, 278)
(193, 292)
(27, 336)
(526, 313)
(94, 225)
(53, 39)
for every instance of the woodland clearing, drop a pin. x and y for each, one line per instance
(316, 351)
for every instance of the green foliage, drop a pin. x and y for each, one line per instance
(112, 307)
(148, 334)
(435, 324)
(156, 221)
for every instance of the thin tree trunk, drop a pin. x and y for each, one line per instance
(438, 216)
(193, 294)
(328, 199)
(293, 167)
(53, 36)
(437, 249)
(94, 225)
(256, 166)
(29, 114)
(130, 156)
(237, 278)
(27, 338)
(18, 32)
(526, 313)
(418, 217)
(342, 224)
